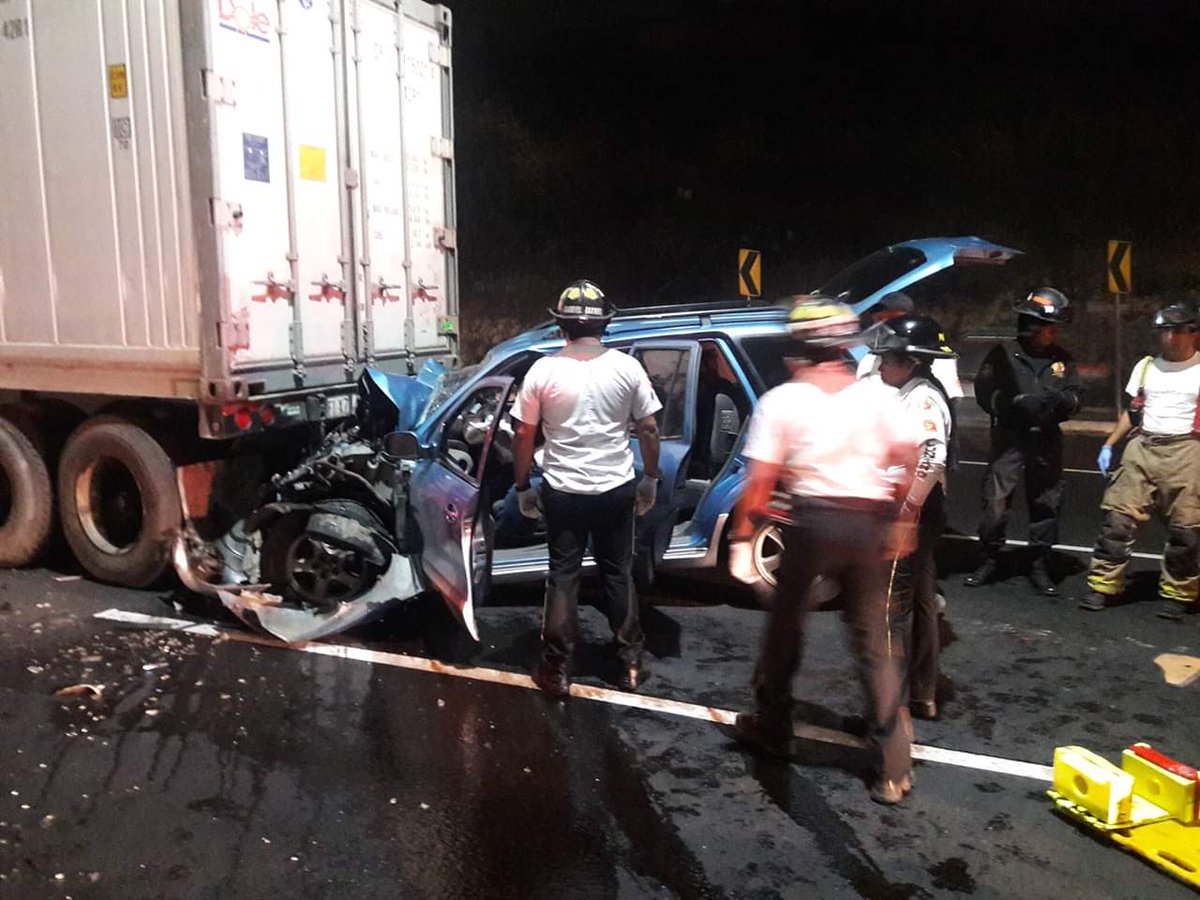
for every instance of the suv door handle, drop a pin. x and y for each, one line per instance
(451, 513)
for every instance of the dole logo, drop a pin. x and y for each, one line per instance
(246, 17)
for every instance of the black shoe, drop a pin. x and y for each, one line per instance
(769, 735)
(985, 573)
(1094, 602)
(553, 680)
(1173, 610)
(889, 792)
(924, 709)
(633, 675)
(1039, 577)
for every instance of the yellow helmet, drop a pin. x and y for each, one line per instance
(823, 322)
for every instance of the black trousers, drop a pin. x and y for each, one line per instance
(844, 540)
(1039, 455)
(608, 519)
(912, 605)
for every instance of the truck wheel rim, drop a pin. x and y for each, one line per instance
(109, 503)
(768, 552)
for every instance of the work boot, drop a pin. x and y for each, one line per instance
(769, 734)
(552, 679)
(1039, 577)
(1094, 601)
(889, 792)
(1173, 610)
(633, 675)
(924, 709)
(984, 574)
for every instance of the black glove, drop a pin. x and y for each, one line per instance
(1061, 405)
(1030, 406)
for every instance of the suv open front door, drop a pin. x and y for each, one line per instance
(673, 367)
(446, 501)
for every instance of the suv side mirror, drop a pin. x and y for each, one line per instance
(402, 445)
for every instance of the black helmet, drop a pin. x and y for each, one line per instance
(1177, 315)
(582, 302)
(1046, 304)
(822, 322)
(914, 335)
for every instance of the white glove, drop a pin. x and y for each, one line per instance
(647, 493)
(529, 501)
(741, 562)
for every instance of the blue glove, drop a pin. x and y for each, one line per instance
(1104, 460)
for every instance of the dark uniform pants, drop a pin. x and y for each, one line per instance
(1156, 475)
(912, 605)
(844, 540)
(1039, 454)
(608, 518)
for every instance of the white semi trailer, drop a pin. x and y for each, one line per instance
(213, 214)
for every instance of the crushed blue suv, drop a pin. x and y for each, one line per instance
(426, 498)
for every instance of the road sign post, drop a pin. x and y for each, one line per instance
(1120, 281)
(749, 273)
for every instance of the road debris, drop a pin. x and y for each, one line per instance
(1178, 670)
(80, 690)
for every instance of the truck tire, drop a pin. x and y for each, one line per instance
(118, 501)
(26, 500)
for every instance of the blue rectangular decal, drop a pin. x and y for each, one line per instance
(256, 156)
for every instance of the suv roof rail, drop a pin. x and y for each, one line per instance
(686, 309)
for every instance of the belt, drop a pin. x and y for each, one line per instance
(1160, 439)
(845, 504)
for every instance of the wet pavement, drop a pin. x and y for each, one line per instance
(211, 767)
(216, 768)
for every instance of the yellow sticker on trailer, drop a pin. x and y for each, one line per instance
(118, 82)
(312, 163)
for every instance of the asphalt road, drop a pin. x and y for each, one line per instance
(217, 768)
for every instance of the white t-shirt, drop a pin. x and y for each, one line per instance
(1172, 391)
(585, 407)
(944, 370)
(831, 444)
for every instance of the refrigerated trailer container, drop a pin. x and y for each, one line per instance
(213, 214)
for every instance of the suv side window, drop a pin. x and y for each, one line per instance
(668, 371)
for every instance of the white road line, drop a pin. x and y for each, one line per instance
(972, 462)
(1071, 548)
(582, 691)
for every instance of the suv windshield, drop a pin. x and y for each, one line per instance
(446, 385)
(868, 275)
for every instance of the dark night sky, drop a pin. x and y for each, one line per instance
(641, 143)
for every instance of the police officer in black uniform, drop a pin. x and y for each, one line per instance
(1028, 387)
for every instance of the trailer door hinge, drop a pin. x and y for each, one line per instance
(441, 147)
(446, 238)
(219, 88)
(440, 54)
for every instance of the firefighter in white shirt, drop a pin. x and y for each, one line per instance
(906, 350)
(584, 398)
(831, 439)
(1159, 472)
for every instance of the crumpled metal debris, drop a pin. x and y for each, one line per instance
(81, 690)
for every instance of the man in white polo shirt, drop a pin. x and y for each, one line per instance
(584, 398)
(831, 439)
(1160, 471)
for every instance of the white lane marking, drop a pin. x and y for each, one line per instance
(1072, 548)
(582, 691)
(972, 462)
